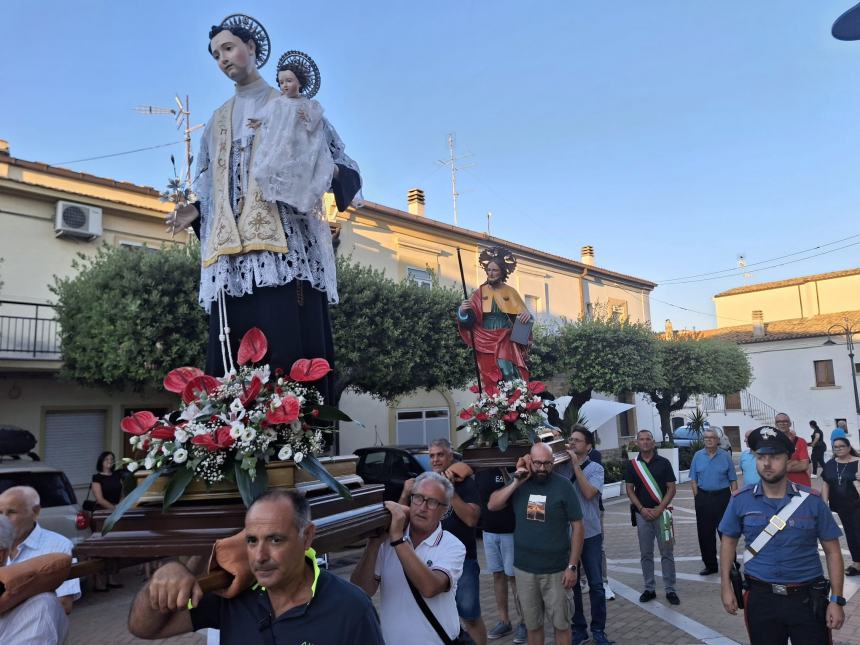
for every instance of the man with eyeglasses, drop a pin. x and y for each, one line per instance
(548, 539)
(461, 523)
(419, 551)
(798, 463)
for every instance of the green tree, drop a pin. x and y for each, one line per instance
(392, 338)
(690, 366)
(606, 355)
(130, 316)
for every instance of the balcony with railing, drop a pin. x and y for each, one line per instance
(28, 331)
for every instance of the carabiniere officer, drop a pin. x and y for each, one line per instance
(787, 595)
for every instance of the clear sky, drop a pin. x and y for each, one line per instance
(672, 135)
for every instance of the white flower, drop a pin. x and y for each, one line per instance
(270, 434)
(298, 457)
(132, 466)
(134, 440)
(285, 453)
(180, 455)
(148, 463)
(295, 426)
(190, 412)
(248, 434)
(262, 373)
(236, 429)
(236, 406)
(181, 435)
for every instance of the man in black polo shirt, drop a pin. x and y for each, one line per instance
(461, 522)
(293, 602)
(650, 488)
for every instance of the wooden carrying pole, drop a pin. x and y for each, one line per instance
(471, 330)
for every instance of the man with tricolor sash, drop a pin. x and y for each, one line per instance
(650, 487)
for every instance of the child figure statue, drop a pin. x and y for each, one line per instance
(293, 163)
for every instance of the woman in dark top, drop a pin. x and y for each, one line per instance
(106, 487)
(839, 488)
(818, 447)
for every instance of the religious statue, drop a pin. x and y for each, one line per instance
(486, 321)
(266, 249)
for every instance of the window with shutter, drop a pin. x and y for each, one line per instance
(824, 374)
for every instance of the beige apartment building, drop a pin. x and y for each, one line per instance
(49, 214)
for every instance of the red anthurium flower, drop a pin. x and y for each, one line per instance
(536, 387)
(309, 369)
(220, 441)
(287, 412)
(138, 423)
(482, 416)
(167, 433)
(204, 383)
(473, 389)
(251, 391)
(491, 390)
(534, 405)
(253, 346)
(513, 397)
(511, 416)
(177, 379)
(466, 414)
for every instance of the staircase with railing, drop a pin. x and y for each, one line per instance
(744, 402)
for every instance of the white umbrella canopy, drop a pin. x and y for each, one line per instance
(596, 411)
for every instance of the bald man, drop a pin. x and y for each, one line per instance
(548, 538)
(21, 505)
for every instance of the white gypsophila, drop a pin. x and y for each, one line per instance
(298, 457)
(180, 455)
(181, 436)
(285, 453)
(263, 373)
(132, 466)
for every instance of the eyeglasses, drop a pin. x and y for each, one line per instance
(542, 464)
(432, 503)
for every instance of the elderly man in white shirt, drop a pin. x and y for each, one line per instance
(21, 505)
(40, 619)
(421, 553)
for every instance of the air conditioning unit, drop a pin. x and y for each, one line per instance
(78, 220)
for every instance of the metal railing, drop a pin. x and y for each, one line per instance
(750, 405)
(28, 331)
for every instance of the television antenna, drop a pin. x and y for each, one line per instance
(742, 265)
(451, 161)
(182, 112)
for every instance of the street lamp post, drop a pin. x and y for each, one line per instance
(848, 331)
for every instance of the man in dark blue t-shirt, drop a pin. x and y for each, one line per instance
(292, 603)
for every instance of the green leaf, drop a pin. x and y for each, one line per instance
(331, 413)
(176, 487)
(130, 500)
(251, 489)
(312, 465)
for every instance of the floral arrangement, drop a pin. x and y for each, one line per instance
(512, 410)
(229, 428)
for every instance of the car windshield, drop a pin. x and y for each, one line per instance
(53, 488)
(424, 459)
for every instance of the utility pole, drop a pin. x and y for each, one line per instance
(489, 217)
(452, 163)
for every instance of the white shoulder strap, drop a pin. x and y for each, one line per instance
(774, 526)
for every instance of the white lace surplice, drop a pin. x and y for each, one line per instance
(292, 163)
(310, 256)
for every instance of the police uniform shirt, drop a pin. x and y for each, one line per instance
(339, 612)
(791, 556)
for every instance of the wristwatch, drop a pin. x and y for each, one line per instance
(571, 567)
(839, 600)
(400, 541)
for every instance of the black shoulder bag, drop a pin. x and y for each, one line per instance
(463, 637)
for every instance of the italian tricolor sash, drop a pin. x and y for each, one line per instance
(667, 529)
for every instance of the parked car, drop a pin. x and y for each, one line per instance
(392, 466)
(59, 505)
(685, 436)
